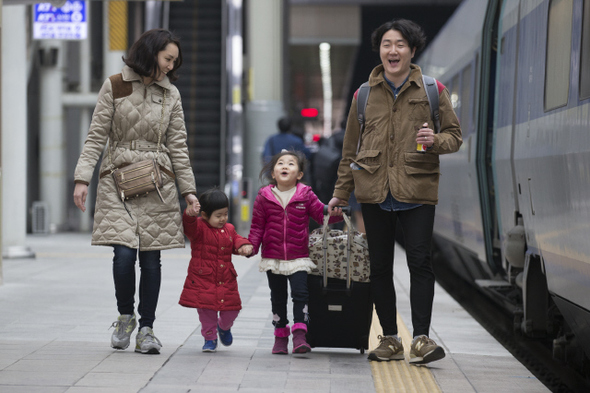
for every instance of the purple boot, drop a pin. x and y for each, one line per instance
(300, 345)
(281, 341)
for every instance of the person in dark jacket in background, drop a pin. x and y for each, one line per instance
(284, 140)
(324, 164)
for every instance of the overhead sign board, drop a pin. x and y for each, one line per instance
(67, 22)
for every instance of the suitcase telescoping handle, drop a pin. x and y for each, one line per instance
(346, 211)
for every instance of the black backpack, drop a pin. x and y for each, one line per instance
(431, 92)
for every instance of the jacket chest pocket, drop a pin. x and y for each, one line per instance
(157, 103)
(369, 160)
(419, 109)
(157, 98)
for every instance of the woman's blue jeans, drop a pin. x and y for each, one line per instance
(149, 282)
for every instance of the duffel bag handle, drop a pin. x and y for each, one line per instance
(346, 211)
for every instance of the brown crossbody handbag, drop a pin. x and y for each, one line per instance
(142, 177)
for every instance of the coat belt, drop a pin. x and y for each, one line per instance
(141, 145)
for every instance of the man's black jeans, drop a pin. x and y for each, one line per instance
(417, 225)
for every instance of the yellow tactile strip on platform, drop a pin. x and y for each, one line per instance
(396, 375)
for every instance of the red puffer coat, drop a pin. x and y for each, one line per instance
(211, 281)
(284, 233)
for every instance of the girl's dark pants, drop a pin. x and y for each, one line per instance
(417, 225)
(149, 282)
(278, 297)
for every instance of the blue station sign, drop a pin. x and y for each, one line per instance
(68, 22)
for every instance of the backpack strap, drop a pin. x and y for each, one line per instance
(431, 87)
(361, 106)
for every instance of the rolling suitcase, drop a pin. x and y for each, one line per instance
(340, 309)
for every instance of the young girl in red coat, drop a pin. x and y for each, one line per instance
(280, 224)
(211, 286)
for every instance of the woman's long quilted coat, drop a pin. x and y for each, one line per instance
(130, 111)
(211, 282)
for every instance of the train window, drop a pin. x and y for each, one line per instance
(585, 66)
(465, 90)
(559, 45)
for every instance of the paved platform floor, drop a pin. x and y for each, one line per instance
(56, 310)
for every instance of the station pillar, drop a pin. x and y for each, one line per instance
(52, 150)
(1, 128)
(266, 53)
(14, 133)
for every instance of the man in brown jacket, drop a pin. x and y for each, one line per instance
(393, 180)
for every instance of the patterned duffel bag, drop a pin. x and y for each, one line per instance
(336, 252)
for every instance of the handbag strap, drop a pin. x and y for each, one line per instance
(159, 133)
(160, 127)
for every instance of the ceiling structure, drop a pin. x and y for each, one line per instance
(346, 25)
(375, 2)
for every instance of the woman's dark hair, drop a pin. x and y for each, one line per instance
(143, 55)
(266, 172)
(213, 199)
(411, 32)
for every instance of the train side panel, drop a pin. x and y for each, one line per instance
(505, 103)
(552, 154)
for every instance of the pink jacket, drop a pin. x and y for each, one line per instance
(284, 233)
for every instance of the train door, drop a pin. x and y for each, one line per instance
(511, 229)
(542, 100)
(485, 132)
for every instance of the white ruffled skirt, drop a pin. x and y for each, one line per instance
(286, 268)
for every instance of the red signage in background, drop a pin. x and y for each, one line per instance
(309, 112)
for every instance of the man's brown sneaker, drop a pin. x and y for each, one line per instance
(424, 350)
(389, 348)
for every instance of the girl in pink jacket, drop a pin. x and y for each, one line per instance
(280, 225)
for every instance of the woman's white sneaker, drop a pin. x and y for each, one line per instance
(147, 342)
(124, 326)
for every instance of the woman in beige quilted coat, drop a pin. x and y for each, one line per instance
(133, 108)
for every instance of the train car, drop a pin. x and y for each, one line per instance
(514, 210)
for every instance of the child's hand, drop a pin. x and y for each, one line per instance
(190, 212)
(245, 250)
(192, 205)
